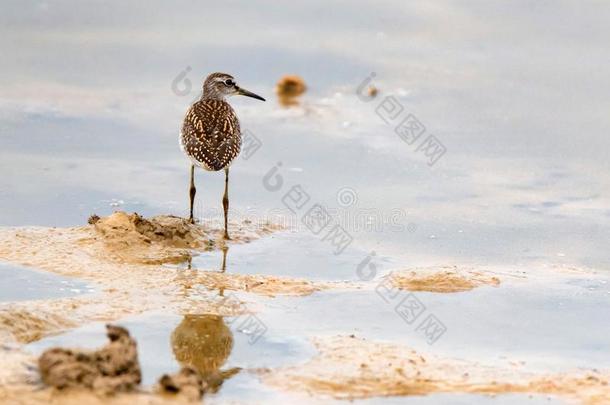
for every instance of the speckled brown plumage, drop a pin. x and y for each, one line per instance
(210, 134)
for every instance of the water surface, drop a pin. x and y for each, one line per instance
(92, 98)
(18, 283)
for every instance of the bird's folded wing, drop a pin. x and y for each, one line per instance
(212, 134)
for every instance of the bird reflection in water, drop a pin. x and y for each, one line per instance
(223, 266)
(187, 277)
(204, 342)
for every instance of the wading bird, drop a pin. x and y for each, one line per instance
(210, 135)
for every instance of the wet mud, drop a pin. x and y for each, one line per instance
(131, 238)
(125, 257)
(447, 279)
(131, 262)
(110, 369)
(354, 368)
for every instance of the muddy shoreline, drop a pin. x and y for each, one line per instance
(131, 261)
(348, 367)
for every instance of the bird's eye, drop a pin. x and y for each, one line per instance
(229, 82)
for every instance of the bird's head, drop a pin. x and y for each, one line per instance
(218, 86)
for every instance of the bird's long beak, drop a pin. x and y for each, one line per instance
(244, 92)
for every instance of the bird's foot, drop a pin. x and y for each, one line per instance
(192, 221)
(226, 236)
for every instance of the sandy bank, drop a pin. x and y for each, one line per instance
(125, 257)
(351, 368)
(445, 279)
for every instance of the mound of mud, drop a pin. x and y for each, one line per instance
(169, 230)
(289, 88)
(441, 280)
(113, 368)
(162, 239)
(131, 238)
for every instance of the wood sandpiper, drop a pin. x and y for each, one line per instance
(210, 134)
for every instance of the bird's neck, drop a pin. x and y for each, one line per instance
(210, 94)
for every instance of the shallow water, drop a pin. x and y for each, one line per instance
(19, 283)
(92, 101)
(302, 256)
(515, 185)
(539, 324)
(216, 344)
(164, 340)
(209, 343)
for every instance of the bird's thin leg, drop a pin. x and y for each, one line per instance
(225, 202)
(192, 192)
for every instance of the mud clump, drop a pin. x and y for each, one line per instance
(289, 88)
(113, 368)
(443, 280)
(162, 239)
(186, 383)
(133, 239)
(372, 91)
(166, 229)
